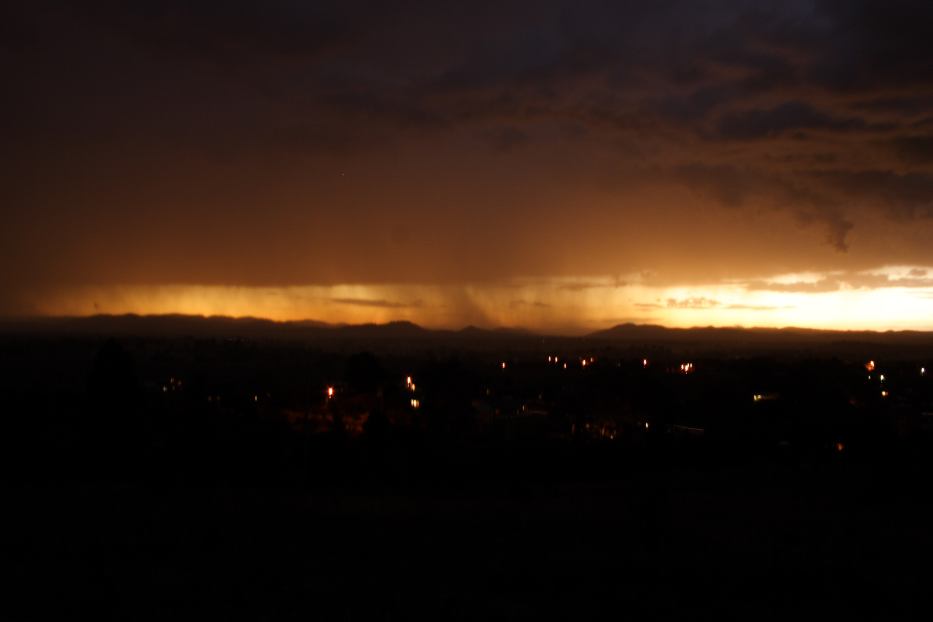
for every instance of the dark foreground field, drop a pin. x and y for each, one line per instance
(745, 544)
(162, 479)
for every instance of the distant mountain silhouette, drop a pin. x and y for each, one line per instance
(161, 326)
(475, 331)
(791, 336)
(222, 327)
(392, 330)
(655, 332)
(175, 325)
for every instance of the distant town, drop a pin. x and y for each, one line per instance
(173, 402)
(240, 468)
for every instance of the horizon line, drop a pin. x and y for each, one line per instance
(501, 328)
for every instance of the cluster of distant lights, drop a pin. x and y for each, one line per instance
(584, 360)
(175, 384)
(685, 368)
(410, 386)
(330, 392)
(870, 366)
(587, 361)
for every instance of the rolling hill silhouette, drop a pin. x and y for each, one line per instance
(403, 331)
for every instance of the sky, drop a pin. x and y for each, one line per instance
(559, 166)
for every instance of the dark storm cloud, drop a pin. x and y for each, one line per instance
(898, 104)
(808, 202)
(792, 115)
(234, 30)
(902, 195)
(874, 43)
(407, 64)
(914, 149)
(508, 138)
(170, 117)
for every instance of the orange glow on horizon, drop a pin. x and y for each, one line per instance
(572, 306)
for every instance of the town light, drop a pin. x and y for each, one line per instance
(330, 392)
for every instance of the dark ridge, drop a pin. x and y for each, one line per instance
(641, 331)
(630, 335)
(401, 329)
(760, 337)
(475, 331)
